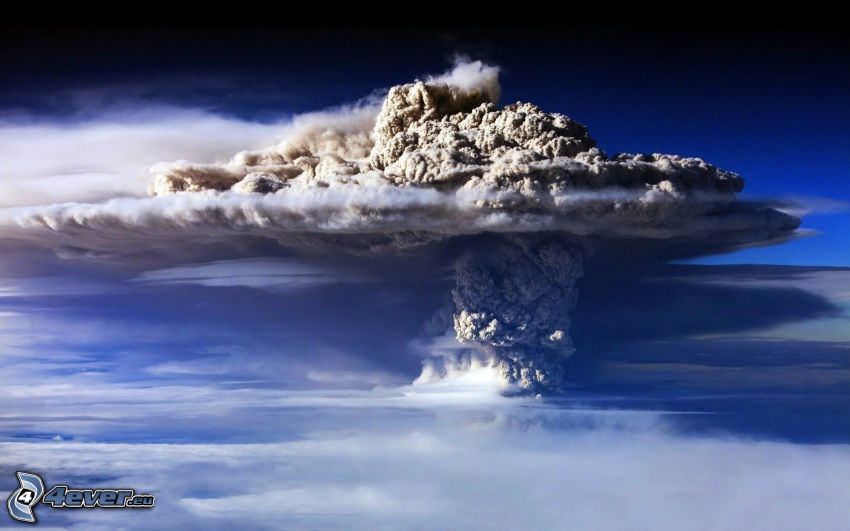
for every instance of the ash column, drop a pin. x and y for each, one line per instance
(514, 299)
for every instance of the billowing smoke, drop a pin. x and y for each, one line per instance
(516, 303)
(437, 159)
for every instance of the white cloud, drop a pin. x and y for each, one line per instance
(108, 155)
(510, 466)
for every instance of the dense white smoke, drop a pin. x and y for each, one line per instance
(438, 158)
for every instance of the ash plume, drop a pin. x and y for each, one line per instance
(516, 303)
(436, 159)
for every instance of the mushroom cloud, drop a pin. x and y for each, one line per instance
(437, 159)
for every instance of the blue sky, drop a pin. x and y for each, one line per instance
(225, 373)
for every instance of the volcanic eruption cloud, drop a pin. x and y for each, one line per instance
(437, 160)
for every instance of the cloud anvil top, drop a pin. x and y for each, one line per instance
(436, 158)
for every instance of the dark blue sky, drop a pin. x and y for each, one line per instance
(771, 105)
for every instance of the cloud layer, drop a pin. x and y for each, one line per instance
(394, 462)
